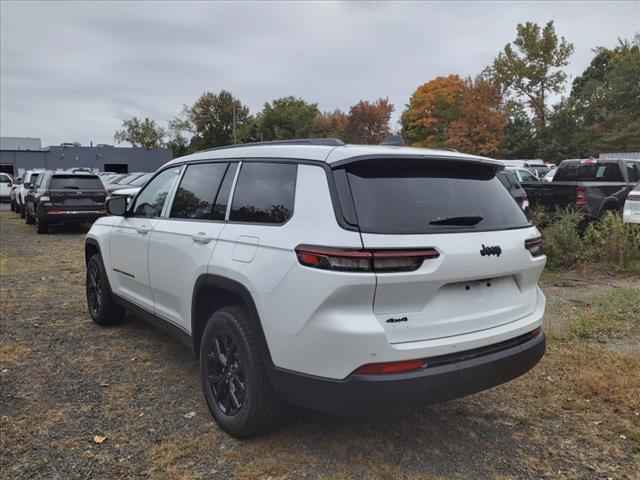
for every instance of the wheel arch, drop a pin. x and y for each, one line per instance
(91, 248)
(212, 292)
(610, 204)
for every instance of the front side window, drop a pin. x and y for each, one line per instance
(527, 176)
(151, 200)
(198, 190)
(264, 193)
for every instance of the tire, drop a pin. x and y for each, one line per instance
(28, 218)
(21, 210)
(102, 308)
(41, 227)
(13, 206)
(235, 384)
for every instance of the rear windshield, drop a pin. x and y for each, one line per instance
(404, 196)
(75, 182)
(588, 172)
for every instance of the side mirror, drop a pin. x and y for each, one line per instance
(117, 206)
(28, 186)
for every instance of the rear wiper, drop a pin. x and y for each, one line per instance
(71, 187)
(462, 220)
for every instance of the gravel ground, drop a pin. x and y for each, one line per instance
(82, 401)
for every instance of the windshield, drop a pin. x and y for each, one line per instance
(406, 196)
(140, 181)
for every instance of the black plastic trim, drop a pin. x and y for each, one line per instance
(160, 323)
(241, 291)
(361, 395)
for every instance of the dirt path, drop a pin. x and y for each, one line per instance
(65, 380)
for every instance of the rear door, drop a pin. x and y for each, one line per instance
(483, 277)
(183, 240)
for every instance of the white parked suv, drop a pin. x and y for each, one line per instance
(348, 279)
(28, 180)
(631, 211)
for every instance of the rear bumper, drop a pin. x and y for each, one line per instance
(443, 378)
(70, 216)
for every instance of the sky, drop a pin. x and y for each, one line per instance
(73, 71)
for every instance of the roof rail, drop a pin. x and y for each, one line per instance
(329, 142)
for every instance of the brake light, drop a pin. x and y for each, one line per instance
(351, 260)
(589, 161)
(634, 197)
(581, 196)
(389, 367)
(102, 210)
(535, 246)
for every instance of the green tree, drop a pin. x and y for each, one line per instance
(532, 67)
(286, 118)
(519, 138)
(214, 120)
(141, 133)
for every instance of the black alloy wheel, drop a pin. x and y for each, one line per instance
(225, 373)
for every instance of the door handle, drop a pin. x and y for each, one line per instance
(142, 230)
(201, 237)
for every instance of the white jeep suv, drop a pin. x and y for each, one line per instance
(349, 279)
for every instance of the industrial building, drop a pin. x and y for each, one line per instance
(19, 154)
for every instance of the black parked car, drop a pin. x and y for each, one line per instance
(65, 197)
(510, 181)
(592, 186)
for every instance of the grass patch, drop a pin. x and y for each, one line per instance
(615, 314)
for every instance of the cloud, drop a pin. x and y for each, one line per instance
(75, 70)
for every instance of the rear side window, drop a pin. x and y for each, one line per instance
(407, 196)
(632, 171)
(75, 182)
(589, 172)
(264, 193)
(196, 195)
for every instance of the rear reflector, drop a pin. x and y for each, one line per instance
(535, 246)
(391, 367)
(346, 260)
(536, 332)
(581, 196)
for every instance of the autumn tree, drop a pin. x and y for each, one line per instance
(431, 110)
(331, 125)
(532, 67)
(482, 118)
(142, 133)
(214, 120)
(286, 118)
(368, 123)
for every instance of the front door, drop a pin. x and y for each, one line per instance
(130, 240)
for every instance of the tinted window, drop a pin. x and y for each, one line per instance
(75, 182)
(264, 193)
(588, 172)
(198, 190)
(404, 196)
(527, 176)
(220, 208)
(151, 200)
(632, 171)
(5, 179)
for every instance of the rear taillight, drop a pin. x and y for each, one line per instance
(535, 246)
(581, 196)
(634, 197)
(389, 367)
(348, 260)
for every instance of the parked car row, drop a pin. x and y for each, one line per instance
(46, 197)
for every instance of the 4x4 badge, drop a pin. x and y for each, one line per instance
(496, 250)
